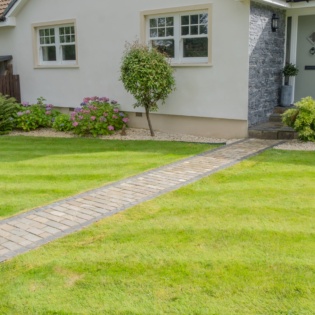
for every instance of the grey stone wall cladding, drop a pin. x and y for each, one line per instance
(265, 62)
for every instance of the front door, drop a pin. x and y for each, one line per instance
(305, 80)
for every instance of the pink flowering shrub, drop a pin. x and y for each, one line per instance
(30, 117)
(97, 116)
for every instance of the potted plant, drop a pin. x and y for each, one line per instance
(290, 70)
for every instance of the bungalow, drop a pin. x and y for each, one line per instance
(227, 55)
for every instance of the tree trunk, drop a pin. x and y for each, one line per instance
(149, 121)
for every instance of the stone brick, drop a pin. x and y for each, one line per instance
(266, 58)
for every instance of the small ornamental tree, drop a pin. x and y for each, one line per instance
(290, 70)
(148, 76)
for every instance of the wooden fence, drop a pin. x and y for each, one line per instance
(10, 85)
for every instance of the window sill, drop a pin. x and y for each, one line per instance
(56, 67)
(180, 65)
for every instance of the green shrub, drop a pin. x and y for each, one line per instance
(63, 123)
(8, 109)
(31, 117)
(148, 76)
(302, 118)
(97, 116)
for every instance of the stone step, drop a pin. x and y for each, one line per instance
(281, 109)
(272, 131)
(275, 118)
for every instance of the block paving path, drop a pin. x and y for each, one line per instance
(32, 229)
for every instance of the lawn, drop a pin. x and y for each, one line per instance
(37, 171)
(239, 242)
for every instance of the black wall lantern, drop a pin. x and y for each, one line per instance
(274, 22)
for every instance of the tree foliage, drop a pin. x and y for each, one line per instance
(8, 110)
(148, 76)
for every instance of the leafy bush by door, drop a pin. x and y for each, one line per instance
(302, 118)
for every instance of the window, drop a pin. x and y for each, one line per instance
(55, 45)
(182, 35)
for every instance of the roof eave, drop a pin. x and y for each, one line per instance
(290, 5)
(8, 22)
(276, 3)
(7, 19)
(9, 7)
(12, 9)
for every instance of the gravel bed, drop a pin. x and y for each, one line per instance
(143, 134)
(131, 134)
(297, 146)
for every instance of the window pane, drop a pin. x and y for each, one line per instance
(161, 22)
(46, 36)
(185, 30)
(153, 32)
(61, 30)
(170, 31)
(153, 23)
(195, 47)
(66, 38)
(203, 29)
(185, 20)
(49, 53)
(169, 21)
(194, 19)
(203, 18)
(165, 46)
(68, 52)
(161, 32)
(194, 30)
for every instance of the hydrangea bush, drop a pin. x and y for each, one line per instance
(33, 116)
(96, 116)
(63, 123)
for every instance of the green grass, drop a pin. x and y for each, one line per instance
(37, 171)
(240, 242)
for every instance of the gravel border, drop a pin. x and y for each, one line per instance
(131, 134)
(144, 134)
(297, 145)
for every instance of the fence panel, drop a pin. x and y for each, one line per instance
(10, 85)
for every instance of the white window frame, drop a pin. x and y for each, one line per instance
(177, 13)
(39, 61)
